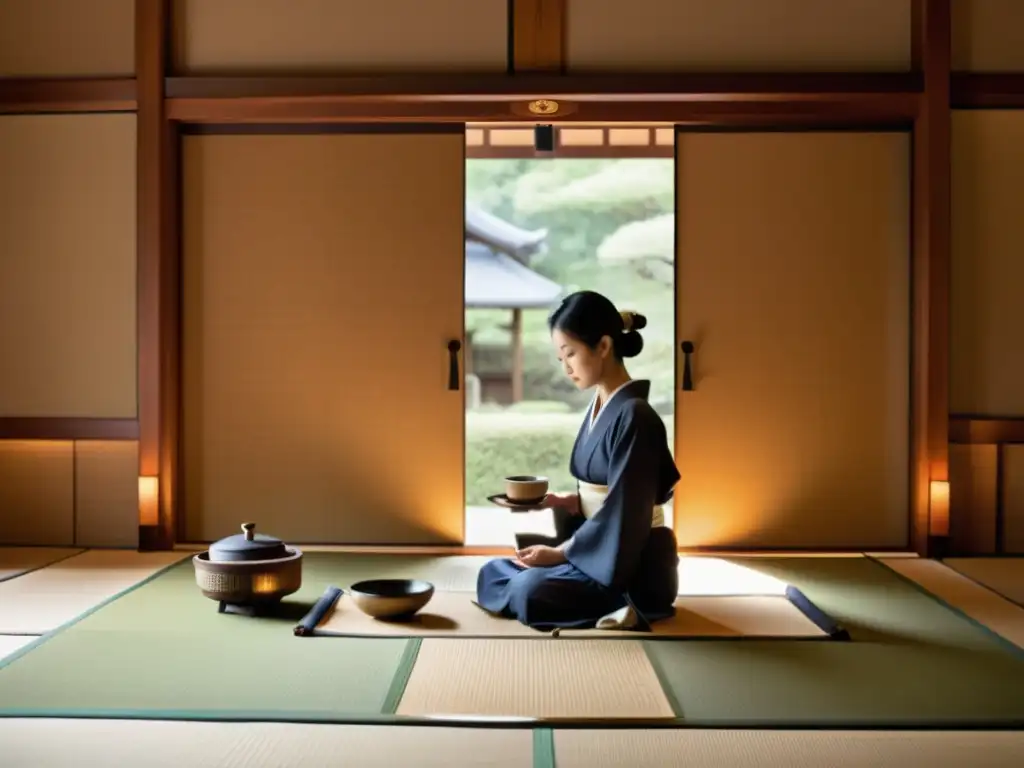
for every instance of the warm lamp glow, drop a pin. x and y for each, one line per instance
(149, 500)
(939, 502)
(265, 583)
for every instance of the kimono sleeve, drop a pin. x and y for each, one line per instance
(608, 546)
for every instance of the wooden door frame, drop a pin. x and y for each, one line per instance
(535, 88)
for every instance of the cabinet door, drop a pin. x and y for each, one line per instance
(323, 282)
(793, 264)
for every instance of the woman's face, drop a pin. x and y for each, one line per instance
(584, 366)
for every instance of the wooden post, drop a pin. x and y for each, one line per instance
(537, 29)
(467, 354)
(931, 266)
(517, 355)
(157, 259)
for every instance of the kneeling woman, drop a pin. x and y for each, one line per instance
(613, 549)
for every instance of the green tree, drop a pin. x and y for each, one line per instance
(610, 228)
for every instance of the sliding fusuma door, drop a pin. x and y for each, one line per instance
(793, 264)
(323, 283)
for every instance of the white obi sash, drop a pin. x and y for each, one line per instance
(592, 497)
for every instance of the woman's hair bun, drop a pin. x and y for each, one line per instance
(632, 321)
(629, 344)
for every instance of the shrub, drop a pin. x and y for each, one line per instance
(503, 444)
(539, 406)
(509, 443)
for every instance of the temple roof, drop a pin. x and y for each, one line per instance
(496, 275)
(497, 281)
(502, 235)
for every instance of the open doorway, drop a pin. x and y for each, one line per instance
(595, 214)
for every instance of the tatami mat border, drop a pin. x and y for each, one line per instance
(334, 718)
(402, 675)
(543, 748)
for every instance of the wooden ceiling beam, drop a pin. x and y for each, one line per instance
(996, 90)
(471, 87)
(67, 428)
(782, 99)
(52, 95)
(986, 430)
(504, 93)
(888, 110)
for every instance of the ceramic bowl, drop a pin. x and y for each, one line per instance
(525, 489)
(391, 598)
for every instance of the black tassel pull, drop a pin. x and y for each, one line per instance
(687, 347)
(453, 364)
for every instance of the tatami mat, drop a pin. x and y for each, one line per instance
(11, 643)
(1004, 575)
(44, 599)
(15, 561)
(912, 660)
(792, 749)
(32, 743)
(718, 597)
(506, 678)
(448, 573)
(160, 744)
(698, 574)
(748, 616)
(975, 601)
(454, 614)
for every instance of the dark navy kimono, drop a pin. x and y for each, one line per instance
(615, 558)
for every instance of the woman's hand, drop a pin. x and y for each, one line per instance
(570, 502)
(540, 556)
